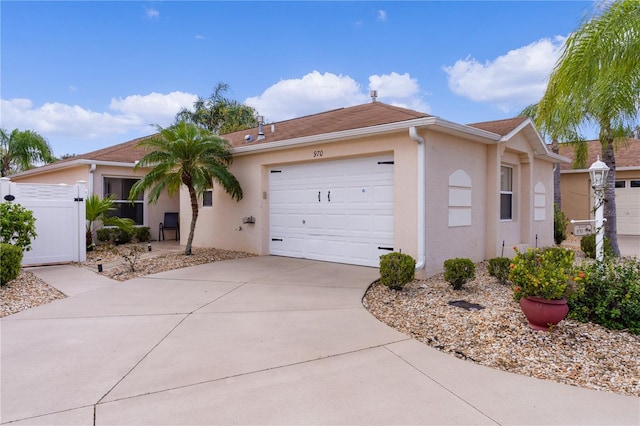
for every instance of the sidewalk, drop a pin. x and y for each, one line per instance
(262, 340)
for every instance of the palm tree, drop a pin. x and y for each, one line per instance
(97, 210)
(555, 133)
(597, 80)
(185, 154)
(19, 150)
(219, 114)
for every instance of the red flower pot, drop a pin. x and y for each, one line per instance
(542, 313)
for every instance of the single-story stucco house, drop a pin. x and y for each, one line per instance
(108, 171)
(577, 194)
(351, 184)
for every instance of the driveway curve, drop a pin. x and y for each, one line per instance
(264, 340)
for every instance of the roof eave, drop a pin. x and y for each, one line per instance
(70, 164)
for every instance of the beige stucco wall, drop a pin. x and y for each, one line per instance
(219, 226)
(67, 176)
(575, 189)
(528, 172)
(445, 155)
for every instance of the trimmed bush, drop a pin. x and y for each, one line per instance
(396, 270)
(122, 236)
(560, 223)
(459, 271)
(17, 225)
(105, 235)
(611, 295)
(588, 246)
(10, 262)
(142, 234)
(499, 267)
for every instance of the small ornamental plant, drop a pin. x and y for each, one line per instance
(459, 271)
(397, 270)
(545, 273)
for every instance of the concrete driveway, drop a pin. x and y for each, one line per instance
(265, 340)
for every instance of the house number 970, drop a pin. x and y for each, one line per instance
(317, 154)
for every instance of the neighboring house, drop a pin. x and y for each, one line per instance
(577, 195)
(107, 171)
(351, 184)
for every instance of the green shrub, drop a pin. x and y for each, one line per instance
(611, 295)
(588, 246)
(10, 261)
(122, 236)
(560, 223)
(105, 234)
(499, 267)
(17, 225)
(142, 234)
(396, 270)
(458, 271)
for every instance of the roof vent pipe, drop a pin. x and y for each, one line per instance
(260, 127)
(374, 95)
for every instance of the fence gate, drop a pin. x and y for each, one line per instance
(60, 219)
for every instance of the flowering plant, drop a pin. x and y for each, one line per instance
(547, 274)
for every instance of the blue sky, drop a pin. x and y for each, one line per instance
(87, 75)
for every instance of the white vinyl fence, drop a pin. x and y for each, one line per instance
(60, 219)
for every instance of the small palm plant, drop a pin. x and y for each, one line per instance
(97, 211)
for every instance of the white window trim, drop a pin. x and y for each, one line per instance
(143, 201)
(502, 192)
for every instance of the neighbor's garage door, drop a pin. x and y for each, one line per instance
(628, 206)
(337, 211)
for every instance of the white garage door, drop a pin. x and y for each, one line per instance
(337, 211)
(628, 206)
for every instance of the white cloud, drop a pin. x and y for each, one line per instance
(510, 81)
(382, 15)
(313, 93)
(151, 13)
(399, 89)
(316, 92)
(61, 121)
(154, 107)
(200, 37)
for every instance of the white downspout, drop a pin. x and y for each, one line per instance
(422, 199)
(90, 185)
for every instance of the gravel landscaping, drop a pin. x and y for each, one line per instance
(580, 354)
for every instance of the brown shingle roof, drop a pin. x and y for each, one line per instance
(355, 117)
(627, 155)
(500, 127)
(127, 152)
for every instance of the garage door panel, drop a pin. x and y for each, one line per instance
(339, 211)
(628, 209)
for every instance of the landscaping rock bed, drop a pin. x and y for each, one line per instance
(580, 354)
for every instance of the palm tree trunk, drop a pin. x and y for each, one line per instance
(610, 227)
(557, 196)
(194, 218)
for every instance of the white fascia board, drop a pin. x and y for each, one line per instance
(69, 164)
(443, 125)
(556, 158)
(618, 169)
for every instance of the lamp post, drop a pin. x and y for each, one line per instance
(598, 173)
